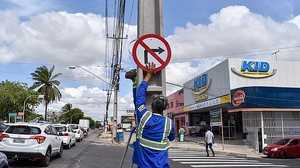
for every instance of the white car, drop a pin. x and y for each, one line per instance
(66, 134)
(35, 141)
(77, 130)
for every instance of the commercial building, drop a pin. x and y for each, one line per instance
(175, 111)
(258, 100)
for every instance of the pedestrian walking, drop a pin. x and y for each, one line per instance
(209, 141)
(154, 130)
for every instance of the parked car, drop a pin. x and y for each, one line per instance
(3, 161)
(66, 134)
(287, 147)
(35, 141)
(78, 131)
(198, 129)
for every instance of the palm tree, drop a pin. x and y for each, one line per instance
(67, 107)
(46, 84)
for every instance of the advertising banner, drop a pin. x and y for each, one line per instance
(215, 117)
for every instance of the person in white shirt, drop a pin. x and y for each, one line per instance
(209, 141)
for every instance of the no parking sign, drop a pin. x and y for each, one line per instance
(151, 48)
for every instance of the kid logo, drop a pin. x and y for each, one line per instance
(255, 69)
(201, 85)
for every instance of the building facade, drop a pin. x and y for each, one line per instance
(253, 99)
(175, 111)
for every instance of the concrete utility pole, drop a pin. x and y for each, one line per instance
(150, 21)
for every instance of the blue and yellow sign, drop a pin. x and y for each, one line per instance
(255, 69)
(201, 85)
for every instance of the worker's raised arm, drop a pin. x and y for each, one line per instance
(141, 93)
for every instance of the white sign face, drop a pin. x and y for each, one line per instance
(151, 48)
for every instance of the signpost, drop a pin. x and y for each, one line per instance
(151, 48)
(12, 115)
(216, 119)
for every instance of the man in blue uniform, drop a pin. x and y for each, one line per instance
(154, 130)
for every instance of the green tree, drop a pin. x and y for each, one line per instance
(98, 124)
(72, 116)
(12, 97)
(47, 84)
(31, 116)
(67, 107)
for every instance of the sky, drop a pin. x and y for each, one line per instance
(201, 33)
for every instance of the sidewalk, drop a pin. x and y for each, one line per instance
(231, 147)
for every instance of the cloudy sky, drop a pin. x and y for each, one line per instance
(201, 34)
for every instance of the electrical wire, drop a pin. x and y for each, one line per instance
(131, 11)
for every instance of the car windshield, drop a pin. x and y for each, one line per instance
(27, 130)
(282, 142)
(60, 129)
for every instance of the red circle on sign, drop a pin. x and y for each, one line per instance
(140, 42)
(238, 98)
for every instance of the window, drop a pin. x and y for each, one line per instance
(171, 105)
(60, 129)
(74, 127)
(53, 131)
(294, 142)
(48, 130)
(26, 130)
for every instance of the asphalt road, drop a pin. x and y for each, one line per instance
(90, 154)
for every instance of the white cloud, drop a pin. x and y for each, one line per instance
(234, 29)
(91, 100)
(55, 37)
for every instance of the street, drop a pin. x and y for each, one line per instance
(90, 154)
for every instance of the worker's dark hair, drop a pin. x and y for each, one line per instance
(159, 102)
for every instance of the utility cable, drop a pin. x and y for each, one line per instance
(131, 11)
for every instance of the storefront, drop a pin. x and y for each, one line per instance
(175, 111)
(259, 100)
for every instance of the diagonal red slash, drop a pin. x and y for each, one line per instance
(152, 53)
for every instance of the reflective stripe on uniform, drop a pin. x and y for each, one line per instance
(141, 108)
(153, 144)
(164, 143)
(143, 121)
(167, 130)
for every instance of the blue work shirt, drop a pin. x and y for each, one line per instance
(153, 130)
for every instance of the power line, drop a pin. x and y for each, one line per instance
(131, 11)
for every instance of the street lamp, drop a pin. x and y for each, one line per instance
(74, 67)
(39, 96)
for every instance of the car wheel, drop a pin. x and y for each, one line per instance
(46, 160)
(282, 154)
(69, 145)
(59, 155)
